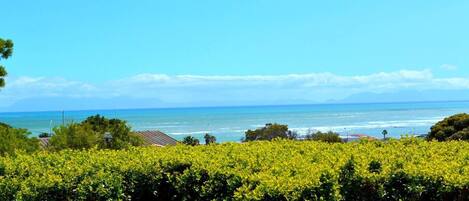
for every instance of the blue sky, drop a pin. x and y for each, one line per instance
(95, 49)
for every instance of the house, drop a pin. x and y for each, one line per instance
(156, 138)
(150, 138)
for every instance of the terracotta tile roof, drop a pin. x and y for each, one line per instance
(156, 138)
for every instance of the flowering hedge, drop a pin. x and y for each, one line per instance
(407, 169)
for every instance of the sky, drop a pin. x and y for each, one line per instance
(246, 52)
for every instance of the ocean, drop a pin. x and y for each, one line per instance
(230, 123)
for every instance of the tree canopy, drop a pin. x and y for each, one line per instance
(6, 50)
(189, 140)
(455, 127)
(92, 131)
(269, 132)
(330, 137)
(14, 139)
(209, 139)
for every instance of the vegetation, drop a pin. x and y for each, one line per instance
(4, 125)
(330, 137)
(270, 132)
(384, 132)
(14, 139)
(91, 132)
(455, 127)
(44, 135)
(276, 170)
(6, 50)
(189, 140)
(209, 139)
(74, 136)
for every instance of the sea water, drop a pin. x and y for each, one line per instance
(230, 123)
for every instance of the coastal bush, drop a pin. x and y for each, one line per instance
(189, 140)
(91, 133)
(455, 127)
(270, 132)
(330, 137)
(16, 139)
(209, 139)
(263, 170)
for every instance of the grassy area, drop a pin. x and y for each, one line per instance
(407, 169)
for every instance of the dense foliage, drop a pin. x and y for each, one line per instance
(15, 139)
(270, 132)
(91, 132)
(189, 140)
(455, 127)
(210, 139)
(330, 137)
(264, 170)
(6, 50)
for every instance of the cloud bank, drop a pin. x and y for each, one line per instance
(161, 90)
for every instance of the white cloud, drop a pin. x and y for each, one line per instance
(230, 89)
(449, 67)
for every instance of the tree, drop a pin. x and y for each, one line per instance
(269, 132)
(385, 132)
(92, 133)
(6, 50)
(455, 127)
(189, 140)
(74, 136)
(16, 139)
(210, 139)
(121, 134)
(330, 137)
(44, 135)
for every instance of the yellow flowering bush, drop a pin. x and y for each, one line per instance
(406, 169)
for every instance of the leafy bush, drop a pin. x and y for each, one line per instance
(209, 139)
(264, 170)
(91, 132)
(74, 136)
(13, 139)
(330, 137)
(189, 140)
(455, 127)
(270, 132)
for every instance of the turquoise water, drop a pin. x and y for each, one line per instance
(230, 123)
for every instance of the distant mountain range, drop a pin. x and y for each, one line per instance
(61, 103)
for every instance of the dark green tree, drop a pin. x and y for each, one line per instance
(330, 137)
(6, 50)
(385, 132)
(269, 132)
(210, 139)
(189, 140)
(455, 127)
(44, 135)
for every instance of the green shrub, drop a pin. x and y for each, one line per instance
(330, 137)
(270, 132)
(189, 140)
(455, 127)
(266, 170)
(15, 139)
